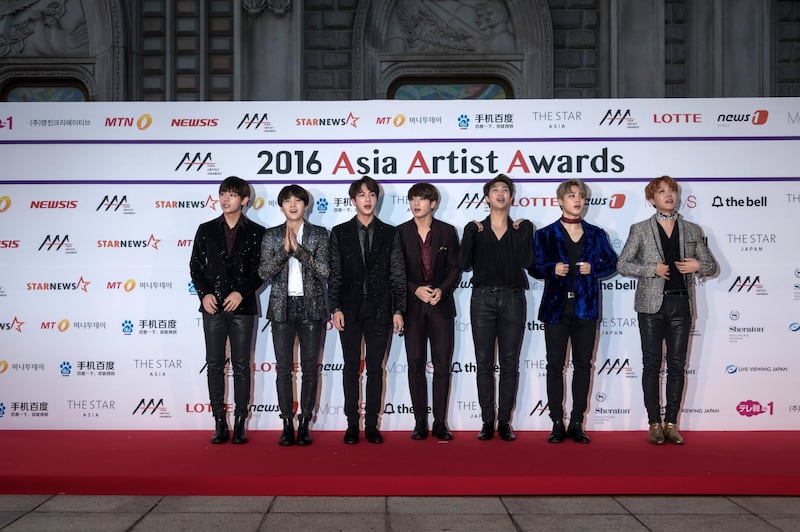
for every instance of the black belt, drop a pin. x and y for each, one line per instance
(297, 299)
(676, 292)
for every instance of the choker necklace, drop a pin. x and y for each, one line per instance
(570, 220)
(665, 217)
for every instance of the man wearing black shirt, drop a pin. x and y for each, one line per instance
(498, 255)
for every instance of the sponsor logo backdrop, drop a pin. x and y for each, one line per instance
(99, 323)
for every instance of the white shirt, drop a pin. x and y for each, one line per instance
(296, 270)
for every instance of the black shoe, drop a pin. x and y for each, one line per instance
(351, 434)
(303, 434)
(487, 431)
(420, 430)
(287, 436)
(441, 431)
(575, 431)
(221, 431)
(505, 431)
(372, 434)
(239, 433)
(558, 433)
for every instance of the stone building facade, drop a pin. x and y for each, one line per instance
(197, 50)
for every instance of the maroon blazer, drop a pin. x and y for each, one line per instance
(446, 273)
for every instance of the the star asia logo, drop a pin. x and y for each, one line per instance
(752, 408)
(13, 325)
(349, 120)
(151, 242)
(81, 284)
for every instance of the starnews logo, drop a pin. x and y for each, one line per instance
(752, 408)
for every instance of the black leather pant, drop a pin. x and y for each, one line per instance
(582, 334)
(309, 332)
(218, 328)
(440, 330)
(498, 316)
(670, 326)
(376, 336)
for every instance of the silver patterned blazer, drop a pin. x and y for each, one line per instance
(642, 251)
(274, 270)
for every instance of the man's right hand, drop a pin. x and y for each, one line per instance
(338, 320)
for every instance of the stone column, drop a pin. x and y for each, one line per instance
(637, 48)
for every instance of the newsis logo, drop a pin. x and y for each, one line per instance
(13, 325)
(115, 203)
(150, 242)
(756, 118)
(256, 121)
(9, 244)
(194, 122)
(556, 119)
(349, 120)
(54, 204)
(208, 203)
(618, 117)
(141, 123)
(57, 243)
(198, 161)
(55, 286)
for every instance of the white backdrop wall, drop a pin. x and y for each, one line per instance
(99, 325)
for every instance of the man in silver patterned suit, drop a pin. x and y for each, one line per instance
(664, 252)
(294, 261)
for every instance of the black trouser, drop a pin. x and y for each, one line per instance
(309, 333)
(670, 325)
(375, 334)
(498, 316)
(431, 324)
(218, 328)
(581, 334)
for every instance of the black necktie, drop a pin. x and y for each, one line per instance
(365, 242)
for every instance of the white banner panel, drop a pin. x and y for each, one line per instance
(99, 203)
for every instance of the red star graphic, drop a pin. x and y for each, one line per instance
(153, 241)
(83, 284)
(16, 324)
(211, 202)
(353, 119)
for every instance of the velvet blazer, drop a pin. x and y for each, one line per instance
(384, 271)
(274, 269)
(444, 258)
(215, 272)
(642, 251)
(550, 247)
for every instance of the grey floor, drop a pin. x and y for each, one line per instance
(618, 513)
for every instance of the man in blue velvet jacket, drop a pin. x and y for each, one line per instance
(571, 256)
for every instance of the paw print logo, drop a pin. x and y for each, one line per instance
(2, 409)
(192, 289)
(322, 205)
(127, 327)
(66, 369)
(463, 121)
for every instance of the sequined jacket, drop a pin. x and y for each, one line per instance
(214, 272)
(550, 247)
(274, 269)
(642, 251)
(385, 271)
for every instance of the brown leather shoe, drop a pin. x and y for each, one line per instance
(656, 434)
(672, 435)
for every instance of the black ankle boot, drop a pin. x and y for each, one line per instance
(221, 430)
(303, 435)
(239, 434)
(287, 436)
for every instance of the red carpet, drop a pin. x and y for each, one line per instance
(184, 463)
